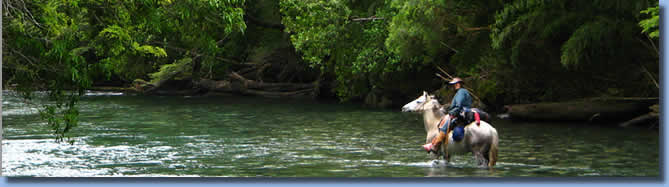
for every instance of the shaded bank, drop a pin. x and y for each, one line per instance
(612, 111)
(624, 111)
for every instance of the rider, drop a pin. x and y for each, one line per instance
(461, 102)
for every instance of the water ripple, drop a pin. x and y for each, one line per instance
(232, 137)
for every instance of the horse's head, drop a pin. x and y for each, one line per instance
(422, 103)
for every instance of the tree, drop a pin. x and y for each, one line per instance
(651, 26)
(450, 34)
(588, 38)
(63, 46)
(343, 39)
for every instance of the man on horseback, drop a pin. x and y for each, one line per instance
(462, 101)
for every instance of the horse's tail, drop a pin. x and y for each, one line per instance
(492, 153)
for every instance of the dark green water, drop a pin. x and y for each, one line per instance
(250, 136)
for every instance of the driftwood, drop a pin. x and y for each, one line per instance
(591, 110)
(235, 82)
(251, 84)
(652, 117)
(239, 84)
(643, 119)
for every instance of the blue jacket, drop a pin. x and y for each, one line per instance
(461, 100)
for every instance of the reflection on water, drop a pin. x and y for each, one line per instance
(247, 136)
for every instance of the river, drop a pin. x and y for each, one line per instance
(122, 135)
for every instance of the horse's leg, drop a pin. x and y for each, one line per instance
(484, 152)
(444, 150)
(486, 157)
(480, 160)
(479, 155)
(492, 151)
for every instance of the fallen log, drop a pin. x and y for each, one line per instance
(590, 110)
(653, 117)
(218, 86)
(241, 85)
(113, 89)
(165, 83)
(298, 93)
(251, 84)
(643, 119)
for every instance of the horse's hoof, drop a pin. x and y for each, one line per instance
(437, 163)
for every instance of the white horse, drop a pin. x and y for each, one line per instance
(481, 140)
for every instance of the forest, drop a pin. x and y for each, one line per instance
(380, 53)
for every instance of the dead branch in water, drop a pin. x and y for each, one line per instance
(640, 120)
(239, 84)
(591, 110)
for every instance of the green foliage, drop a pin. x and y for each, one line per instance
(168, 71)
(354, 52)
(149, 50)
(582, 28)
(651, 26)
(201, 29)
(62, 122)
(587, 45)
(317, 25)
(592, 35)
(47, 51)
(509, 51)
(415, 32)
(62, 47)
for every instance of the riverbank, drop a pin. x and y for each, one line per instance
(610, 111)
(625, 112)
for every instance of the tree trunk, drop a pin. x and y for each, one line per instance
(652, 118)
(251, 84)
(197, 65)
(643, 119)
(239, 84)
(592, 110)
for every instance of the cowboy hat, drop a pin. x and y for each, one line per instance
(456, 80)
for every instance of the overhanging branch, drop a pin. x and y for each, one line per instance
(373, 18)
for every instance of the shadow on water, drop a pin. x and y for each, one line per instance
(247, 136)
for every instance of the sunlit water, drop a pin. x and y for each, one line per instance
(250, 136)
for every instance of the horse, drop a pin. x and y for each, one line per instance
(479, 139)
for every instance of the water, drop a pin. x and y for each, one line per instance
(250, 136)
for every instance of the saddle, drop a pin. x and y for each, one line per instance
(458, 129)
(470, 115)
(475, 114)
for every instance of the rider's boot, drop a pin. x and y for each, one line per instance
(444, 128)
(436, 142)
